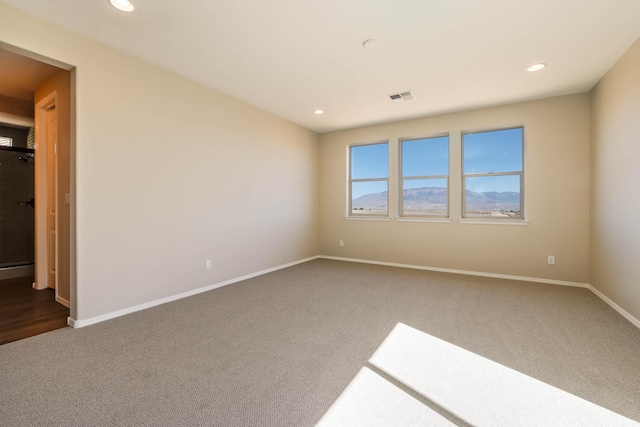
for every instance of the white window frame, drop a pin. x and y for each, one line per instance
(350, 181)
(402, 178)
(480, 219)
(6, 141)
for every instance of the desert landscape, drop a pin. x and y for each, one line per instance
(433, 201)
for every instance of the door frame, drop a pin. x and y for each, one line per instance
(41, 176)
(72, 302)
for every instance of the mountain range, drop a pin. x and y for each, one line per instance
(436, 197)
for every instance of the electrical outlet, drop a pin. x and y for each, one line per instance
(341, 243)
(551, 260)
(207, 264)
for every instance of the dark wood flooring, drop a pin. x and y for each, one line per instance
(25, 312)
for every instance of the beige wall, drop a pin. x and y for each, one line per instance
(169, 174)
(60, 82)
(615, 182)
(557, 197)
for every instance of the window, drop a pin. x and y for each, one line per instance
(369, 179)
(5, 141)
(492, 174)
(424, 177)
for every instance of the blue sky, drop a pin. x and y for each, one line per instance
(495, 151)
(370, 161)
(423, 157)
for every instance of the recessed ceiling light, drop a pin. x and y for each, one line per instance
(536, 67)
(123, 5)
(318, 112)
(370, 43)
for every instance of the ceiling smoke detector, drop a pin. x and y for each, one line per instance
(402, 96)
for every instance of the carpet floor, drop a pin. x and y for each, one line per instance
(279, 349)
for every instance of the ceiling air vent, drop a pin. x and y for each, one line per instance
(402, 96)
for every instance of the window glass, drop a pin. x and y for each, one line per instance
(370, 197)
(495, 196)
(495, 151)
(424, 177)
(370, 161)
(425, 197)
(369, 180)
(493, 174)
(423, 157)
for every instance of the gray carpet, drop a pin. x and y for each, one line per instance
(279, 349)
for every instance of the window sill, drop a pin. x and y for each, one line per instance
(366, 218)
(494, 221)
(417, 219)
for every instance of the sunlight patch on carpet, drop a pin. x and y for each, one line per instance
(480, 391)
(464, 384)
(370, 400)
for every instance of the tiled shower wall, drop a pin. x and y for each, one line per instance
(16, 214)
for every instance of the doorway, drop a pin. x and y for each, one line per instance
(38, 90)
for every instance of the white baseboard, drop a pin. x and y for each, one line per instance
(613, 305)
(467, 272)
(616, 307)
(93, 320)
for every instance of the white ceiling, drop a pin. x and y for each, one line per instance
(290, 57)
